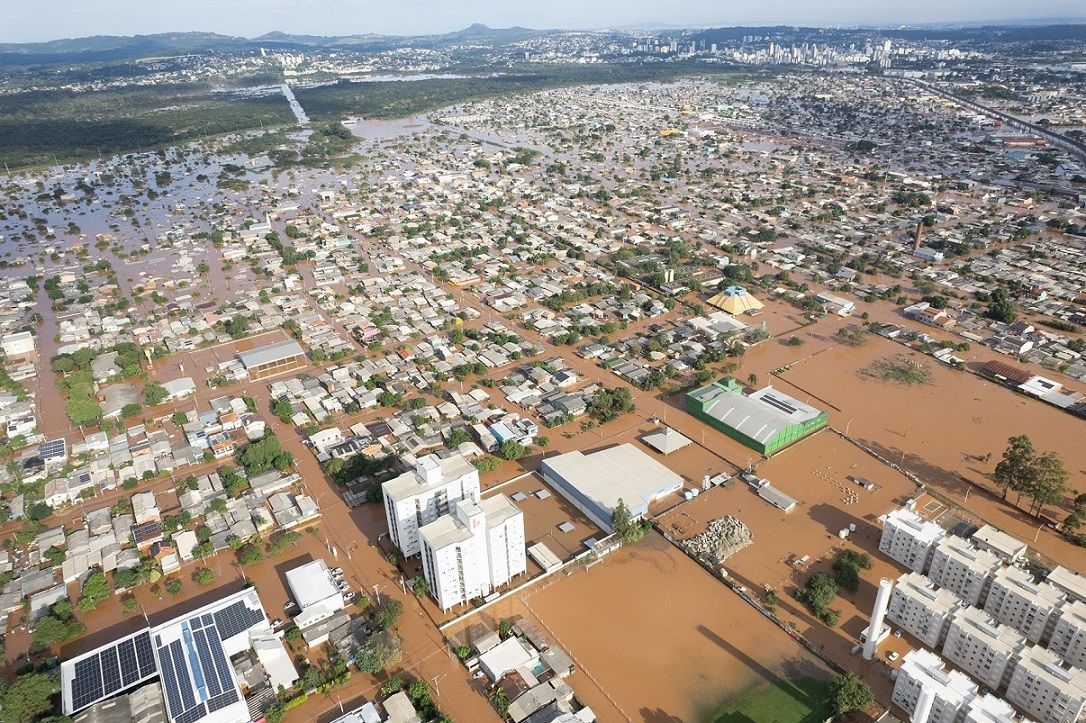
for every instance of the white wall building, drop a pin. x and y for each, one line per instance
(1016, 600)
(999, 543)
(989, 709)
(467, 554)
(922, 610)
(924, 670)
(981, 647)
(17, 344)
(909, 539)
(315, 593)
(958, 566)
(1045, 689)
(1069, 634)
(424, 494)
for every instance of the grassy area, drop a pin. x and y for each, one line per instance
(801, 701)
(897, 369)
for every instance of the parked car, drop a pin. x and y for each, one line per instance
(893, 656)
(337, 572)
(343, 586)
(290, 605)
(277, 622)
(349, 596)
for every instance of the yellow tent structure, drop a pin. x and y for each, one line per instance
(735, 300)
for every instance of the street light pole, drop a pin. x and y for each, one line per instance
(436, 679)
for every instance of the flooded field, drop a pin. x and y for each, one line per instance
(664, 639)
(942, 430)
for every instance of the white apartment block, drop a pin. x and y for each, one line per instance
(467, 554)
(909, 539)
(1014, 599)
(1069, 634)
(1072, 584)
(965, 570)
(989, 709)
(1045, 689)
(981, 647)
(922, 610)
(950, 691)
(999, 543)
(424, 494)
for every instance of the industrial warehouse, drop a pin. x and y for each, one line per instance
(595, 482)
(767, 421)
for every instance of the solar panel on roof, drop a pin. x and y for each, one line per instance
(182, 670)
(203, 650)
(111, 671)
(144, 654)
(222, 701)
(235, 618)
(126, 658)
(169, 682)
(192, 715)
(87, 683)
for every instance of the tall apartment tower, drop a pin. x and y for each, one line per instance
(909, 539)
(982, 648)
(928, 692)
(966, 571)
(921, 609)
(1029, 607)
(1046, 689)
(478, 548)
(1069, 634)
(424, 494)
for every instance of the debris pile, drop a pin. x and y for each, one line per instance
(724, 537)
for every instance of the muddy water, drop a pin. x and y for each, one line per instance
(941, 430)
(656, 638)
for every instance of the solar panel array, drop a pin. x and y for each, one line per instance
(235, 618)
(202, 636)
(52, 448)
(112, 670)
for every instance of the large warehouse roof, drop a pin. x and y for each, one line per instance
(270, 354)
(623, 472)
(760, 416)
(312, 583)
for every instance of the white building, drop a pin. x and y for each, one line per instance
(963, 569)
(981, 647)
(1043, 688)
(1069, 635)
(909, 539)
(1007, 548)
(1072, 584)
(949, 692)
(922, 610)
(421, 496)
(17, 345)
(1017, 601)
(989, 709)
(478, 548)
(315, 593)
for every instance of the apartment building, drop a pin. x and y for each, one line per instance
(982, 647)
(1046, 689)
(922, 610)
(424, 494)
(1068, 638)
(922, 680)
(467, 554)
(1016, 600)
(909, 539)
(989, 709)
(999, 543)
(1070, 583)
(965, 570)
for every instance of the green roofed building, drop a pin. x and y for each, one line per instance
(767, 421)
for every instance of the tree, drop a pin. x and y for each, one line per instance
(380, 652)
(95, 589)
(623, 524)
(265, 455)
(487, 464)
(847, 568)
(512, 449)
(174, 586)
(387, 616)
(848, 692)
(1015, 470)
(203, 576)
(419, 586)
(249, 554)
(83, 411)
(293, 634)
(1002, 308)
(817, 594)
(1049, 478)
(154, 394)
(29, 698)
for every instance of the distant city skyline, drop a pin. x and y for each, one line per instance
(56, 19)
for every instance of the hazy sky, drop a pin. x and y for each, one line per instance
(33, 20)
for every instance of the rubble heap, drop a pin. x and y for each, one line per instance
(724, 537)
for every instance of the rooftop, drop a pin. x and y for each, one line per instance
(311, 583)
(270, 353)
(621, 472)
